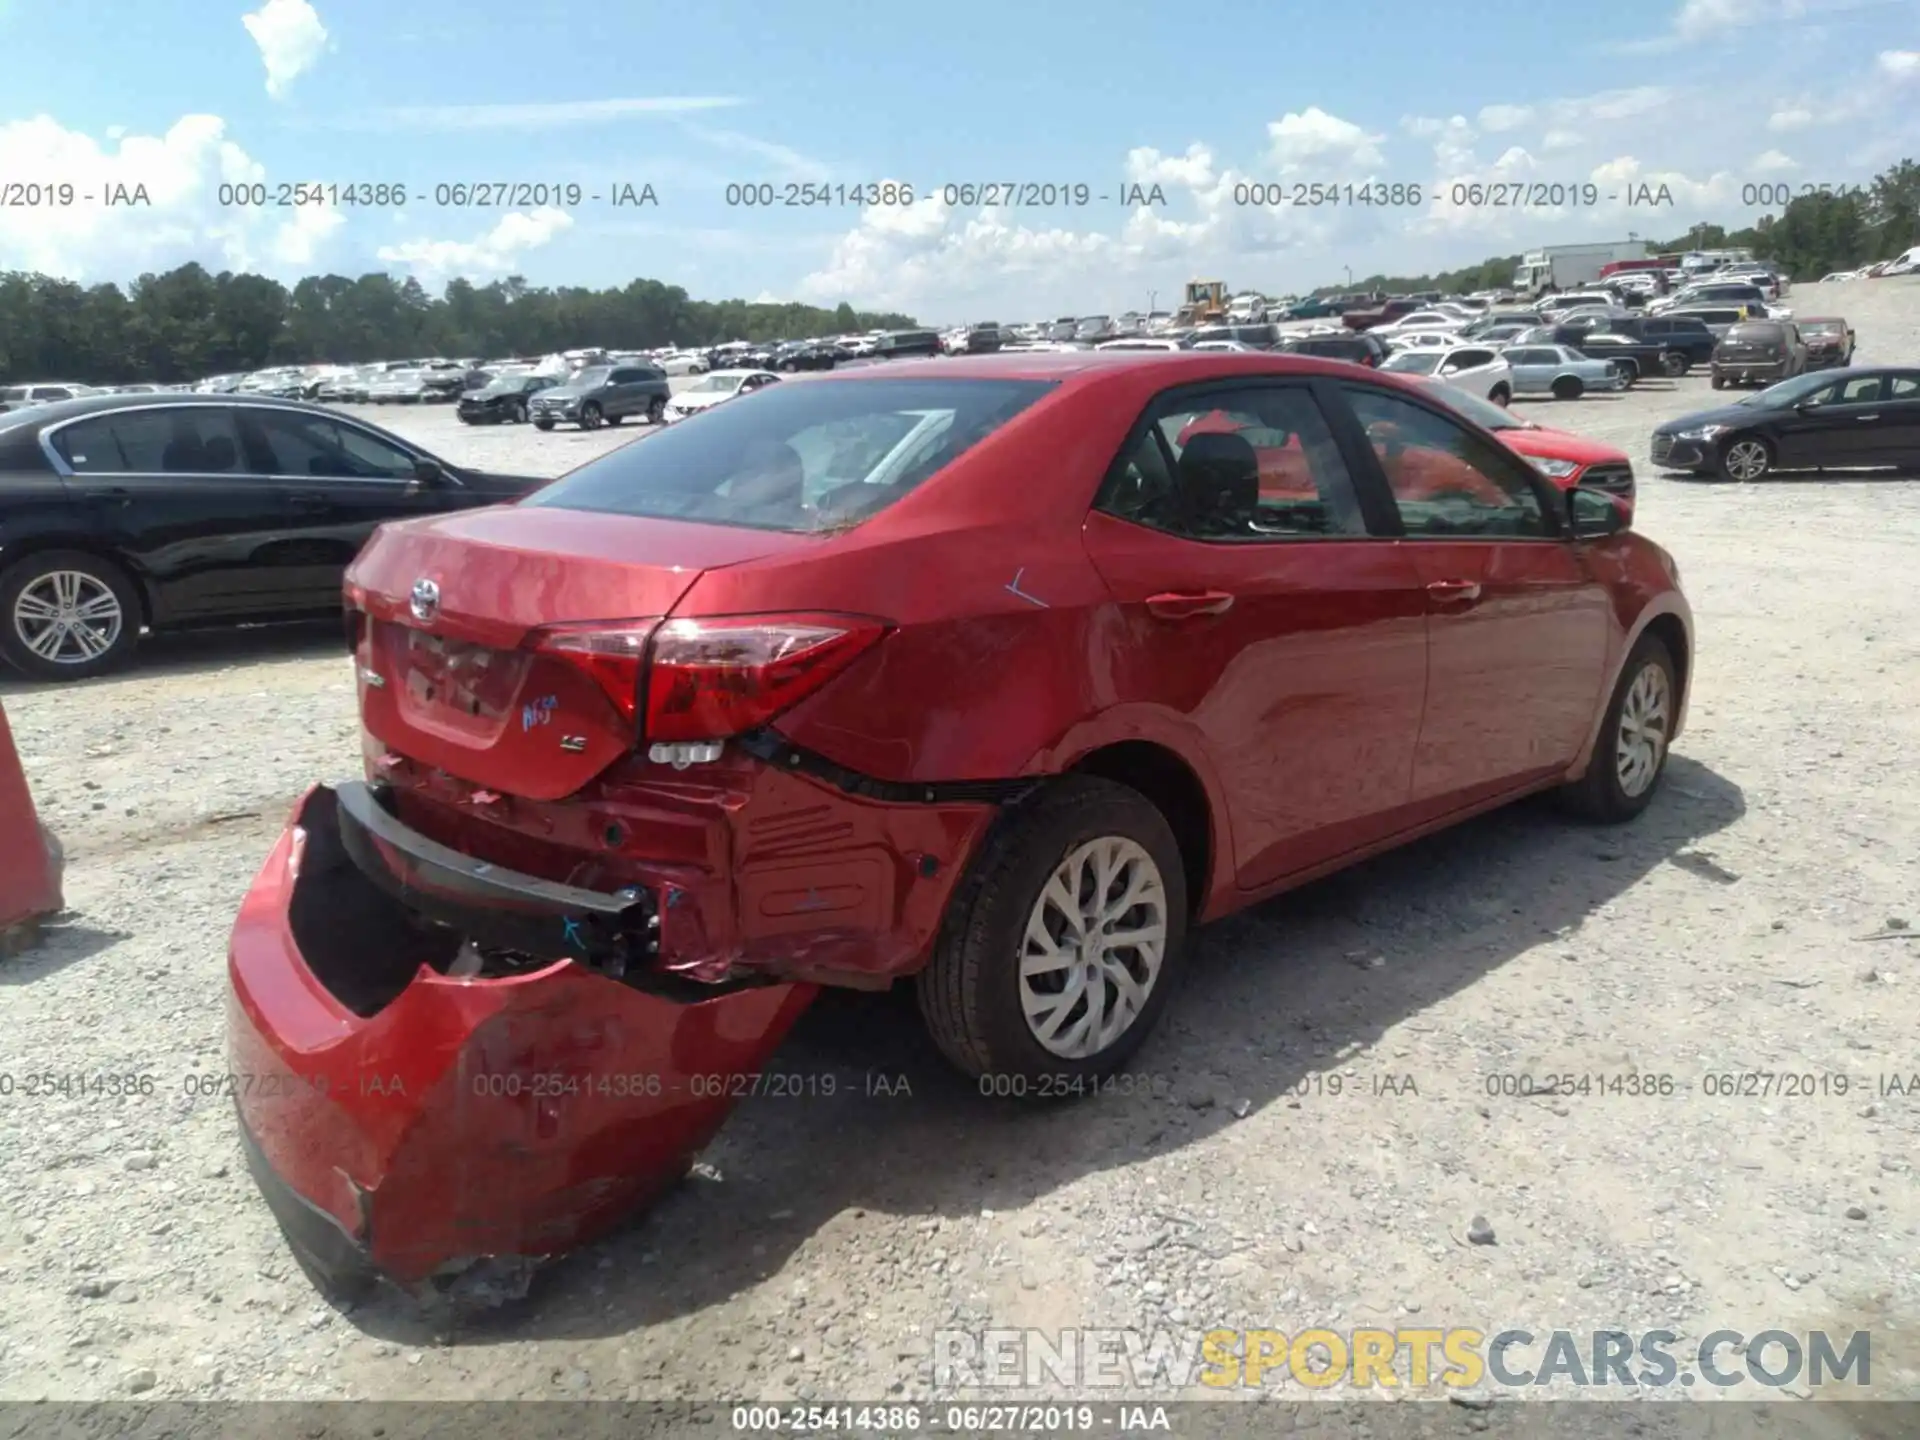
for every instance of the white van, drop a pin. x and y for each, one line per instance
(1905, 263)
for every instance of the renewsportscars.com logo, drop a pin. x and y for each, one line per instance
(1366, 1359)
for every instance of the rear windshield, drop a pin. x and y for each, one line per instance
(815, 456)
(13, 392)
(1757, 334)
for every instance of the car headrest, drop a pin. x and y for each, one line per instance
(182, 453)
(1219, 478)
(218, 453)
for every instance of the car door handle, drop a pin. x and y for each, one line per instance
(308, 500)
(1866, 417)
(1449, 592)
(1183, 605)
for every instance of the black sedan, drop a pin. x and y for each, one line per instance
(502, 399)
(805, 356)
(1824, 420)
(160, 512)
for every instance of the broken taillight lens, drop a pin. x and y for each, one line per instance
(612, 656)
(709, 679)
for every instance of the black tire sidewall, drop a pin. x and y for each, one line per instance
(1610, 801)
(1023, 858)
(18, 576)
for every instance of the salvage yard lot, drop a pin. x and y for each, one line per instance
(1303, 1144)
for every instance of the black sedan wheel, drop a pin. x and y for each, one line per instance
(518, 414)
(1568, 387)
(545, 422)
(656, 410)
(1745, 457)
(65, 615)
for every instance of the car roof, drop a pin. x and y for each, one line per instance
(58, 410)
(1086, 366)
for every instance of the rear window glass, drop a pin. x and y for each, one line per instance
(1756, 334)
(14, 392)
(807, 457)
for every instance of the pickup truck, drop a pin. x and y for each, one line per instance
(1625, 341)
(1379, 315)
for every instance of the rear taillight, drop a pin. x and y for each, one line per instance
(709, 679)
(612, 656)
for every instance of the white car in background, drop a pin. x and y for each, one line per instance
(1477, 369)
(1435, 339)
(1141, 344)
(1239, 347)
(688, 362)
(1419, 320)
(711, 389)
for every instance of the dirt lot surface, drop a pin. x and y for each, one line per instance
(1315, 1128)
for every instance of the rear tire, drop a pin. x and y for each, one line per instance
(656, 410)
(590, 416)
(1630, 756)
(1675, 364)
(543, 423)
(1031, 908)
(1719, 381)
(1569, 387)
(1501, 396)
(518, 414)
(50, 590)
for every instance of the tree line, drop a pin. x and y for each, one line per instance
(189, 323)
(1813, 235)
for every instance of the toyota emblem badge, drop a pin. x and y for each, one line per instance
(426, 600)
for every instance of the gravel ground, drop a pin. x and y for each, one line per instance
(823, 1241)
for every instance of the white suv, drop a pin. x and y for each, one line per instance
(1477, 369)
(19, 397)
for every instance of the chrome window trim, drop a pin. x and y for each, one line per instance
(67, 472)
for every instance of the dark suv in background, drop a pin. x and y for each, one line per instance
(603, 395)
(1759, 352)
(904, 343)
(1368, 350)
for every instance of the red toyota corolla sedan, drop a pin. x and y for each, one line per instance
(996, 673)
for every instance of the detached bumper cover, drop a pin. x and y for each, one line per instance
(459, 1120)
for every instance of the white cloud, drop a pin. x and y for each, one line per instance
(181, 172)
(499, 251)
(1703, 21)
(1900, 64)
(1146, 166)
(539, 115)
(1313, 137)
(1794, 117)
(291, 38)
(1496, 119)
(783, 160)
(1773, 161)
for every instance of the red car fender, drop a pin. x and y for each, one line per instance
(29, 867)
(1172, 733)
(1669, 603)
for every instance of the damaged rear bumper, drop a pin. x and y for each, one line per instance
(406, 1123)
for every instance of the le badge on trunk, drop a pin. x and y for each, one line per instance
(425, 600)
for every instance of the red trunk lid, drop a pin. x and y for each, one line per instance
(462, 689)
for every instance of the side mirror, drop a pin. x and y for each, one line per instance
(1594, 514)
(429, 472)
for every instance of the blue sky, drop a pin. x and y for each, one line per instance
(1705, 97)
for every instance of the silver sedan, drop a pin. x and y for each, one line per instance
(1560, 372)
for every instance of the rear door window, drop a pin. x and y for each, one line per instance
(1255, 463)
(164, 440)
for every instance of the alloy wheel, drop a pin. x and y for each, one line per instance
(1642, 740)
(1747, 459)
(1093, 947)
(68, 617)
